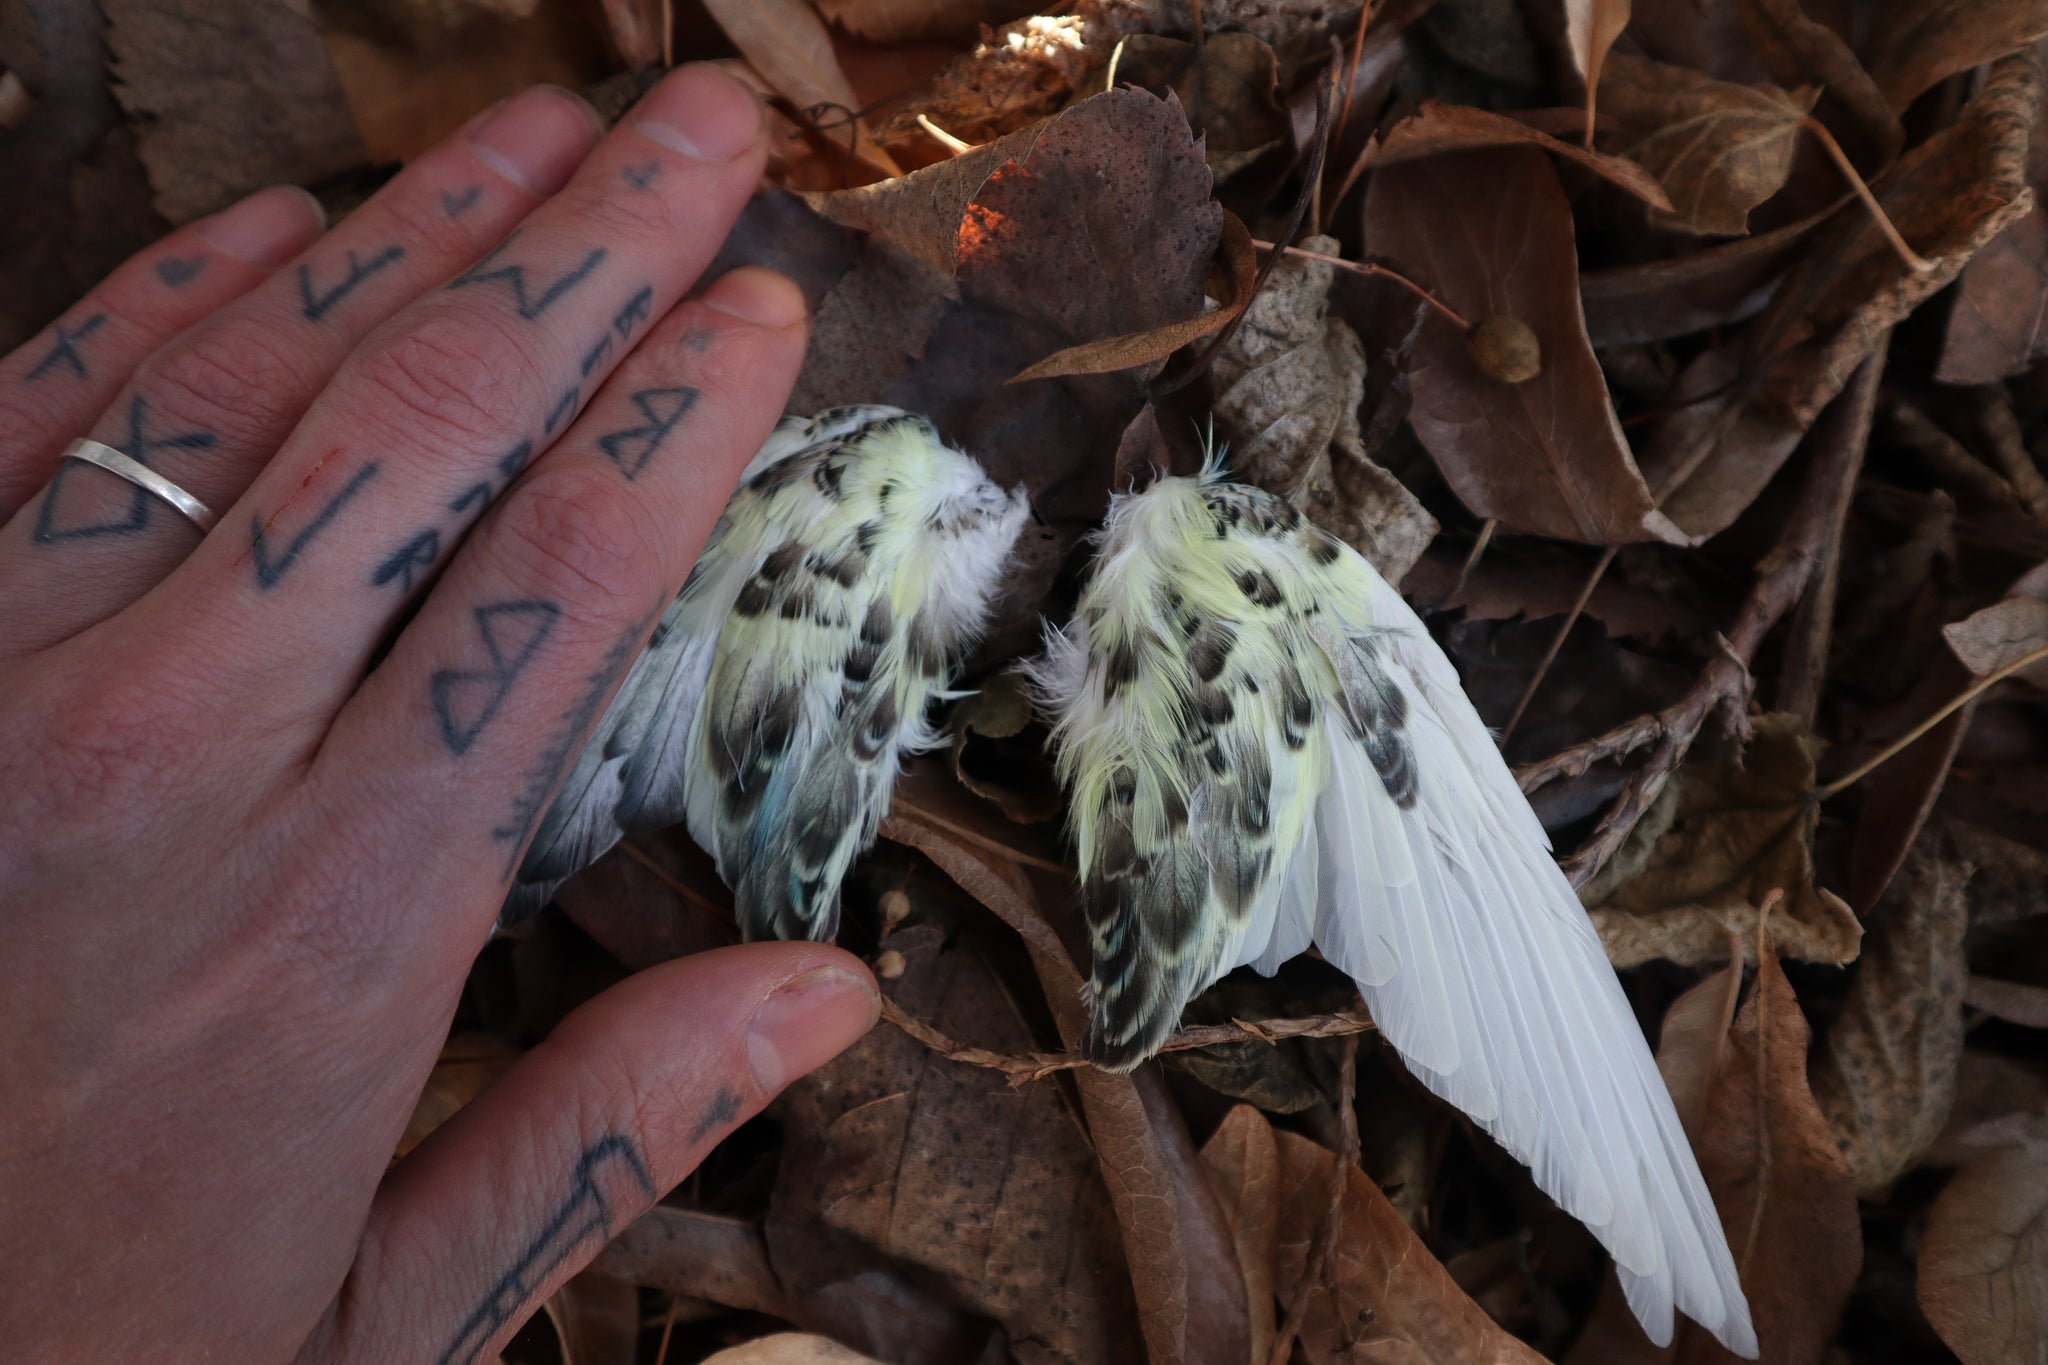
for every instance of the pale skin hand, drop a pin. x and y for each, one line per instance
(247, 854)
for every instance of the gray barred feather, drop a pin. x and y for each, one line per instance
(850, 573)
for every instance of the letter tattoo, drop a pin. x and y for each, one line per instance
(528, 304)
(318, 306)
(65, 349)
(179, 271)
(269, 572)
(53, 527)
(630, 448)
(466, 699)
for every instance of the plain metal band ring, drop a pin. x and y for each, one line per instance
(143, 477)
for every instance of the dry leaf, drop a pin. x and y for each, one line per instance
(1694, 1041)
(1230, 93)
(1244, 1166)
(2001, 635)
(596, 1319)
(1799, 50)
(907, 21)
(1984, 1257)
(893, 1153)
(1025, 71)
(1719, 149)
(790, 46)
(1898, 798)
(1993, 1093)
(1176, 1241)
(1387, 1298)
(1437, 127)
(2016, 1002)
(1729, 830)
(992, 761)
(1999, 324)
(1887, 1074)
(468, 1063)
(1742, 406)
(1915, 47)
(202, 75)
(1491, 234)
(1591, 26)
(700, 1256)
(790, 1348)
(1287, 387)
(1716, 286)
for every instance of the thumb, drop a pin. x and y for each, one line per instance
(479, 1224)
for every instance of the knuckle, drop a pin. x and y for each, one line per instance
(240, 378)
(576, 535)
(106, 739)
(456, 375)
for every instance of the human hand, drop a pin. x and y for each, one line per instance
(261, 793)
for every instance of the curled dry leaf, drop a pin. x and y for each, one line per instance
(1490, 233)
(1386, 1297)
(199, 74)
(992, 761)
(1729, 830)
(1984, 1258)
(1887, 1073)
(1913, 48)
(1286, 389)
(700, 1256)
(1719, 149)
(909, 21)
(1694, 1041)
(1437, 127)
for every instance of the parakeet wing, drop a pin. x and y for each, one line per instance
(1267, 749)
(851, 568)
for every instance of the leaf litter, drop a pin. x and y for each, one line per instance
(1715, 454)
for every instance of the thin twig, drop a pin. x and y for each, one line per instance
(1621, 741)
(1953, 705)
(1915, 262)
(982, 841)
(942, 137)
(1036, 1066)
(2001, 431)
(1344, 109)
(1782, 576)
(1571, 618)
(1366, 268)
(1484, 539)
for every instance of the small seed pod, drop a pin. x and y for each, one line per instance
(1505, 348)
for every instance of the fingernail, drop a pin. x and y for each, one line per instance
(807, 1022)
(701, 112)
(268, 228)
(537, 138)
(758, 295)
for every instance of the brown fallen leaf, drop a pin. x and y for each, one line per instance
(1491, 234)
(1693, 1044)
(1797, 50)
(698, 1255)
(1984, 1257)
(1728, 830)
(894, 1154)
(1229, 89)
(191, 73)
(790, 46)
(1437, 127)
(1993, 1094)
(1286, 389)
(1719, 149)
(1716, 286)
(905, 21)
(1913, 48)
(1783, 1191)
(468, 1063)
(1175, 1239)
(2016, 1002)
(2000, 636)
(596, 1319)
(1886, 1075)
(1244, 1166)
(991, 760)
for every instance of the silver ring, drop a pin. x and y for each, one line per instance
(143, 477)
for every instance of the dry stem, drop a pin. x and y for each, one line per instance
(1364, 268)
(1036, 1066)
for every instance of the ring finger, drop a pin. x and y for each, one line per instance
(208, 409)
